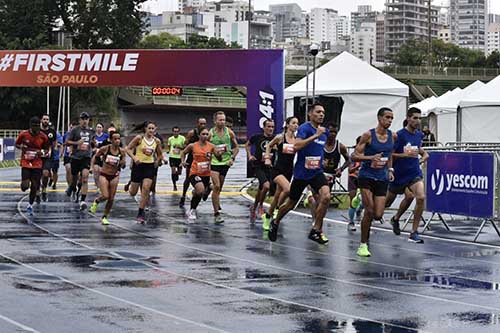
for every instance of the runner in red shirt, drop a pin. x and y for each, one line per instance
(33, 145)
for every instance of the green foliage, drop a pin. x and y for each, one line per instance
(165, 40)
(415, 53)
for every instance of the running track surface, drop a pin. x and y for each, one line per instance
(62, 271)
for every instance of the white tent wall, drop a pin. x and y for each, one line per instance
(446, 127)
(480, 124)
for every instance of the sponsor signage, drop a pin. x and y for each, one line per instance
(461, 183)
(260, 71)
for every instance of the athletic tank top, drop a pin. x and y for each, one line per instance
(193, 139)
(331, 158)
(145, 150)
(201, 159)
(368, 168)
(176, 144)
(286, 155)
(222, 145)
(111, 159)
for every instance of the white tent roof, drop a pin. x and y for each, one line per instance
(425, 105)
(488, 95)
(447, 102)
(346, 74)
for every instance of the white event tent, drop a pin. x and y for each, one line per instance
(479, 114)
(363, 88)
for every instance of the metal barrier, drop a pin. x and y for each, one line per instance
(9, 133)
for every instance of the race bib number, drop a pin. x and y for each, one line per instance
(221, 149)
(85, 146)
(413, 150)
(270, 157)
(288, 149)
(380, 164)
(112, 160)
(313, 162)
(147, 151)
(30, 155)
(203, 167)
(176, 150)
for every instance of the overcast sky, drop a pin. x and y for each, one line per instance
(345, 7)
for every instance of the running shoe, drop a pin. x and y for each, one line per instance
(308, 200)
(356, 201)
(191, 215)
(272, 233)
(83, 205)
(29, 210)
(351, 226)
(219, 219)
(265, 222)
(275, 214)
(317, 236)
(181, 202)
(395, 226)
(415, 238)
(93, 207)
(207, 193)
(54, 187)
(44, 196)
(104, 220)
(140, 218)
(363, 251)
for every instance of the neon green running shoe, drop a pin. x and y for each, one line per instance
(356, 201)
(307, 200)
(93, 207)
(324, 238)
(265, 222)
(104, 220)
(275, 214)
(363, 251)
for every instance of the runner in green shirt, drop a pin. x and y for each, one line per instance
(175, 144)
(225, 143)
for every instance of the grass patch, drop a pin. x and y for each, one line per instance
(339, 202)
(9, 164)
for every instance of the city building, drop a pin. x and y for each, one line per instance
(380, 44)
(190, 6)
(364, 42)
(288, 22)
(364, 14)
(469, 23)
(444, 34)
(325, 25)
(493, 38)
(406, 20)
(182, 25)
(493, 18)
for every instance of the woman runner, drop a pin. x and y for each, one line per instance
(199, 175)
(113, 159)
(283, 170)
(147, 155)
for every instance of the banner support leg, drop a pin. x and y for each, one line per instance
(482, 226)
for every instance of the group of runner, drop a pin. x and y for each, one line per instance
(302, 159)
(305, 159)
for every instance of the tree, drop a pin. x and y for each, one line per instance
(97, 24)
(163, 40)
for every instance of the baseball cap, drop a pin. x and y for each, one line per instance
(84, 115)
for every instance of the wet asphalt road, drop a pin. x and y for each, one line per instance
(64, 272)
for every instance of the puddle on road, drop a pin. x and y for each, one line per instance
(481, 318)
(126, 265)
(436, 280)
(39, 277)
(352, 325)
(8, 267)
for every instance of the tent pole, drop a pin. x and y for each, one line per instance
(307, 87)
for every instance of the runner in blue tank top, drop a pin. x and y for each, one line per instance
(308, 171)
(408, 177)
(374, 151)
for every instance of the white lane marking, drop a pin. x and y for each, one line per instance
(95, 291)
(18, 324)
(218, 285)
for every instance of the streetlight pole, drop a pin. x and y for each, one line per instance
(249, 22)
(314, 50)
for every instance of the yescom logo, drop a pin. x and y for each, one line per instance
(437, 182)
